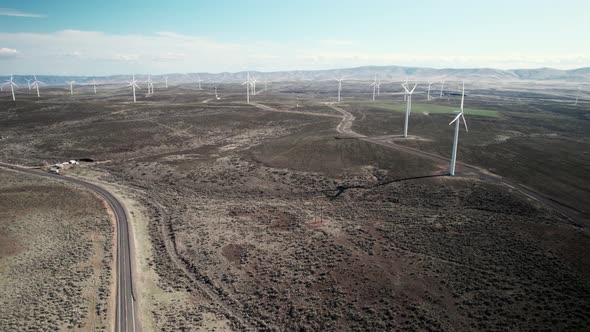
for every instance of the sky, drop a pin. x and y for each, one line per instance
(73, 37)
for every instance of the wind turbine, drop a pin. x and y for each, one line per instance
(248, 83)
(429, 84)
(36, 84)
(12, 85)
(28, 82)
(254, 86)
(150, 85)
(199, 80)
(408, 106)
(378, 88)
(339, 86)
(94, 84)
(166, 82)
(442, 85)
(374, 85)
(577, 97)
(457, 122)
(133, 84)
(71, 83)
(405, 95)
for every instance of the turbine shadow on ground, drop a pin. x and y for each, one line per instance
(342, 188)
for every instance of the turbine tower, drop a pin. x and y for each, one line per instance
(339, 86)
(71, 83)
(166, 82)
(248, 83)
(12, 86)
(378, 88)
(457, 122)
(442, 85)
(374, 85)
(429, 84)
(94, 85)
(408, 106)
(134, 85)
(28, 82)
(36, 84)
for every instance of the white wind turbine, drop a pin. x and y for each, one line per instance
(150, 85)
(339, 86)
(94, 85)
(248, 83)
(254, 86)
(134, 85)
(577, 97)
(28, 82)
(405, 94)
(374, 85)
(199, 80)
(408, 106)
(36, 85)
(166, 82)
(12, 86)
(429, 84)
(457, 122)
(442, 85)
(71, 83)
(378, 88)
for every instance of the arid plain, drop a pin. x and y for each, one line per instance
(266, 217)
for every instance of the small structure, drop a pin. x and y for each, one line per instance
(59, 165)
(73, 162)
(53, 170)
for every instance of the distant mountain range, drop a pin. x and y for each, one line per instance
(359, 73)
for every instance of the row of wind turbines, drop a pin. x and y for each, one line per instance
(36, 83)
(250, 84)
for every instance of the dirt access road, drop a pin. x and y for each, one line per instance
(125, 313)
(581, 218)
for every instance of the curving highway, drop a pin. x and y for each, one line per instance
(125, 313)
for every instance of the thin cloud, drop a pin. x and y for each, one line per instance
(77, 52)
(8, 52)
(18, 13)
(336, 42)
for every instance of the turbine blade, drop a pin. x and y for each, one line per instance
(464, 122)
(462, 98)
(415, 85)
(455, 119)
(405, 88)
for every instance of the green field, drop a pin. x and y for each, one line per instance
(430, 108)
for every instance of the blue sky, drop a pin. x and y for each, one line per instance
(116, 37)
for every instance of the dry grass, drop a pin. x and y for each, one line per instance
(55, 256)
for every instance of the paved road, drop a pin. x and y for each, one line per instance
(125, 314)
